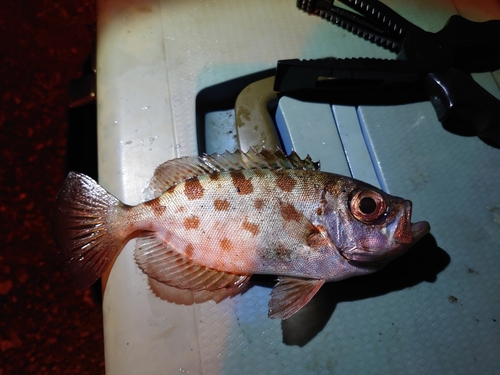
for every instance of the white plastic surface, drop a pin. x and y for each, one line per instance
(297, 121)
(154, 56)
(354, 144)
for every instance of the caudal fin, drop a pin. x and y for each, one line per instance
(88, 229)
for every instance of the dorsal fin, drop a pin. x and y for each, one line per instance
(174, 171)
(264, 159)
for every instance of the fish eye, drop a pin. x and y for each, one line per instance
(367, 205)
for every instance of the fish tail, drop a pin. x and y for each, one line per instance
(88, 228)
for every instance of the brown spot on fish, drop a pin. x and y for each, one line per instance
(193, 189)
(180, 209)
(214, 176)
(289, 212)
(171, 189)
(251, 227)
(221, 204)
(189, 251)
(160, 210)
(285, 182)
(225, 244)
(152, 203)
(243, 185)
(156, 208)
(259, 172)
(258, 203)
(191, 222)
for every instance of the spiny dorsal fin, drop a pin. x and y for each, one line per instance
(264, 159)
(162, 263)
(174, 171)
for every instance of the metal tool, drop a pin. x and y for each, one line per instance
(428, 66)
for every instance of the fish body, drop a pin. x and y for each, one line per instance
(216, 220)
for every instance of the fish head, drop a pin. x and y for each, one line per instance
(372, 226)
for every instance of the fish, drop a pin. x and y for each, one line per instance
(213, 221)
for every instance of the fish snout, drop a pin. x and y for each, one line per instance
(418, 229)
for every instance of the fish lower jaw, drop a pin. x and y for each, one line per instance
(368, 260)
(419, 229)
(365, 260)
(360, 259)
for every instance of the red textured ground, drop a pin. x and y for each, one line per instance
(47, 326)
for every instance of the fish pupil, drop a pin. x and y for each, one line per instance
(367, 205)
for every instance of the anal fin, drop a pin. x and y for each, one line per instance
(290, 295)
(190, 297)
(164, 264)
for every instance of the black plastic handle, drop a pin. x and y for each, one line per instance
(461, 44)
(463, 106)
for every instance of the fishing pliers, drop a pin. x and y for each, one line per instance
(428, 66)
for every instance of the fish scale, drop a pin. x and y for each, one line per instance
(215, 220)
(201, 224)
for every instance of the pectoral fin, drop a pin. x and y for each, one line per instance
(290, 295)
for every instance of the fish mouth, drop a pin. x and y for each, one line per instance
(419, 229)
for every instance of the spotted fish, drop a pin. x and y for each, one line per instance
(218, 219)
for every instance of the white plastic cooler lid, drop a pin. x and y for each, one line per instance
(153, 59)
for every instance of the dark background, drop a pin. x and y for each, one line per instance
(47, 326)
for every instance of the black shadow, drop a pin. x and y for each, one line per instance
(423, 262)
